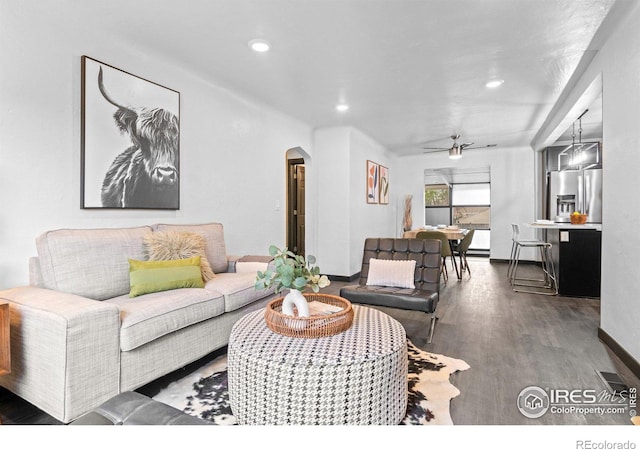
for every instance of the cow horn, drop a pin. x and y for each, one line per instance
(104, 92)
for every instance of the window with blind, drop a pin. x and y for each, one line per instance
(463, 199)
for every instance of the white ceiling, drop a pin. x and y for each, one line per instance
(412, 71)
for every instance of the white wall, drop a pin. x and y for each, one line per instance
(332, 218)
(232, 148)
(512, 189)
(618, 63)
(343, 215)
(368, 220)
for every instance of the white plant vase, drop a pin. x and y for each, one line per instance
(295, 298)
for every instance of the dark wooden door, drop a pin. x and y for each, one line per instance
(300, 209)
(296, 206)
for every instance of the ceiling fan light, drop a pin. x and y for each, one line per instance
(455, 152)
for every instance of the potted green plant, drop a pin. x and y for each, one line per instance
(294, 272)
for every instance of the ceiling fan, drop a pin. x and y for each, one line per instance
(455, 151)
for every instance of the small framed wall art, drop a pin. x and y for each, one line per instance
(383, 173)
(373, 183)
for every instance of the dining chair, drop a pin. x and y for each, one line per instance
(462, 248)
(445, 251)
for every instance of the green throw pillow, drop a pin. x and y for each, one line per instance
(150, 276)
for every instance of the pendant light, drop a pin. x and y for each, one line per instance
(578, 150)
(573, 144)
(577, 154)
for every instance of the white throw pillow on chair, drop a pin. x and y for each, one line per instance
(391, 273)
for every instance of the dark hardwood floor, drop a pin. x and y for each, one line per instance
(514, 340)
(510, 340)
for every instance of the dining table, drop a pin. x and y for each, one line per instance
(454, 234)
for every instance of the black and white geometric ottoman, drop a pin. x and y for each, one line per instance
(357, 377)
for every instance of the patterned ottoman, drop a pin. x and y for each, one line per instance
(356, 377)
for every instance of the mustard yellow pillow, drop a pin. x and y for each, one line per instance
(150, 276)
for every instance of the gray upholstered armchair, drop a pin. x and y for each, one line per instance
(426, 279)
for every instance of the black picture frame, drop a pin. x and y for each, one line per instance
(130, 140)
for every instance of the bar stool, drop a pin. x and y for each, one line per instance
(548, 285)
(515, 242)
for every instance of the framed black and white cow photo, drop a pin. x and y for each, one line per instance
(130, 140)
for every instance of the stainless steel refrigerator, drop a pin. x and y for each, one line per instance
(575, 190)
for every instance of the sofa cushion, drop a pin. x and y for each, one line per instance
(238, 289)
(391, 273)
(396, 297)
(251, 267)
(89, 262)
(150, 276)
(213, 234)
(171, 245)
(151, 316)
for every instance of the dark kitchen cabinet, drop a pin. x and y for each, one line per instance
(577, 255)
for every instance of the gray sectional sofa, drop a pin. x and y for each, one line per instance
(78, 339)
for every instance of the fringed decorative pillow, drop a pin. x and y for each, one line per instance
(171, 245)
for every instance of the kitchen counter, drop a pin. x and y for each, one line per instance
(575, 253)
(568, 226)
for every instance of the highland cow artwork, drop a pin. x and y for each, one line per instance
(130, 140)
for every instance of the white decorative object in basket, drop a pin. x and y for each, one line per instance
(295, 298)
(315, 325)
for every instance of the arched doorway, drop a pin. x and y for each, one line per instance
(296, 192)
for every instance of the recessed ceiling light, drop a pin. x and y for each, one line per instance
(259, 45)
(494, 83)
(342, 107)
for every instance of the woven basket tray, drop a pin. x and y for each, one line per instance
(314, 326)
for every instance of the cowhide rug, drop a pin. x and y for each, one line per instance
(204, 394)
